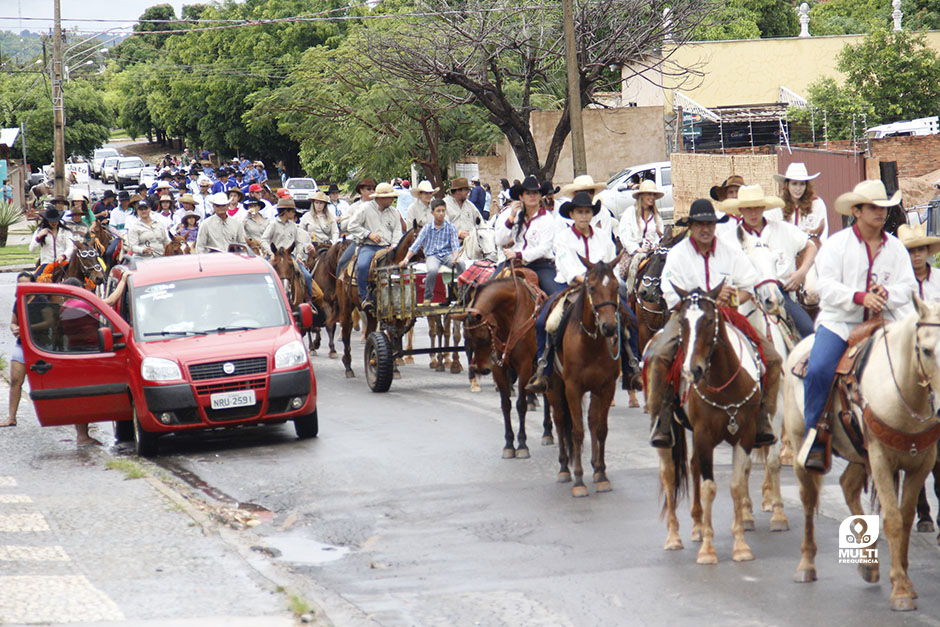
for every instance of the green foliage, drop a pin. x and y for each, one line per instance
(749, 19)
(10, 213)
(846, 17)
(841, 107)
(20, 48)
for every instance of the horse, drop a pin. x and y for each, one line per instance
(84, 264)
(176, 246)
(323, 270)
(499, 327)
(254, 245)
(718, 372)
(924, 523)
(291, 278)
(894, 395)
(347, 295)
(588, 361)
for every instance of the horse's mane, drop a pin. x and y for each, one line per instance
(484, 289)
(405, 235)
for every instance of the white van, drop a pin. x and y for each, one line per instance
(920, 126)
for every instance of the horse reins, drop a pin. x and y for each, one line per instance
(597, 320)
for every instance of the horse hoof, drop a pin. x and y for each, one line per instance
(903, 604)
(522, 453)
(748, 524)
(433, 364)
(350, 374)
(440, 368)
(805, 576)
(707, 559)
(409, 359)
(396, 374)
(779, 525)
(547, 440)
(869, 572)
(578, 491)
(635, 404)
(456, 368)
(313, 352)
(508, 453)
(742, 555)
(673, 544)
(474, 386)
(925, 526)
(563, 477)
(603, 486)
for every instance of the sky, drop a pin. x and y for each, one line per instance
(11, 10)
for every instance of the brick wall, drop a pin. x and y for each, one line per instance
(916, 156)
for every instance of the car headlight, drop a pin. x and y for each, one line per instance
(290, 355)
(159, 369)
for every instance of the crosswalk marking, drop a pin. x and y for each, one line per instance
(15, 498)
(7, 482)
(16, 523)
(63, 599)
(23, 553)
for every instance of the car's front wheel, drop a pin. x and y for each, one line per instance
(145, 442)
(307, 426)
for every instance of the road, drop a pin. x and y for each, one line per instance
(402, 512)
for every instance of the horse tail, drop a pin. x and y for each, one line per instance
(680, 461)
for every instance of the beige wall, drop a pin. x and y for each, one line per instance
(693, 175)
(751, 71)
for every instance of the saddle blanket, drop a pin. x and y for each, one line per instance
(479, 272)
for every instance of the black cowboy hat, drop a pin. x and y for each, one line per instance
(529, 184)
(108, 193)
(123, 195)
(239, 173)
(51, 214)
(547, 189)
(701, 210)
(166, 174)
(223, 171)
(581, 199)
(333, 188)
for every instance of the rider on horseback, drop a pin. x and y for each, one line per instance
(704, 261)
(284, 233)
(863, 272)
(377, 225)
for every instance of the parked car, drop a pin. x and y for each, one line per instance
(301, 190)
(109, 168)
(148, 174)
(177, 354)
(98, 158)
(620, 186)
(128, 171)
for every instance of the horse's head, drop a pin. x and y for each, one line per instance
(769, 292)
(698, 316)
(927, 342)
(478, 336)
(650, 289)
(89, 263)
(601, 290)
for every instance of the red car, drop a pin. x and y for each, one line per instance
(197, 342)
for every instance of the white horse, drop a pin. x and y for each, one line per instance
(900, 426)
(768, 317)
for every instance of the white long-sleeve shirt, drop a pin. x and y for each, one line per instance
(687, 269)
(817, 216)
(632, 234)
(370, 219)
(569, 244)
(52, 247)
(929, 288)
(785, 241)
(464, 217)
(845, 270)
(533, 241)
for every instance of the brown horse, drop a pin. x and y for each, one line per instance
(588, 352)
(499, 327)
(323, 270)
(291, 278)
(84, 265)
(177, 246)
(719, 374)
(254, 245)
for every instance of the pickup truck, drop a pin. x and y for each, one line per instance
(98, 159)
(196, 342)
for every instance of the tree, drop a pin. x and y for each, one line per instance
(845, 115)
(501, 55)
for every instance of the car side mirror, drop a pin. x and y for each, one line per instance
(304, 316)
(105, 340)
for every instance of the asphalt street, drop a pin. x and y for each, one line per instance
(402, 512)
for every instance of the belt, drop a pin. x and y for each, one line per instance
(542, 260)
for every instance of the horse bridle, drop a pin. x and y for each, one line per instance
(88, 253)
(924, 380)
(597, 320)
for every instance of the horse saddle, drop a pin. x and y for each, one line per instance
(349, 270)
(529, 278)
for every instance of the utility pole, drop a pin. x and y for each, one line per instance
(579, 159)
(58, 105)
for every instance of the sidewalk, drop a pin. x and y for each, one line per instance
(83, 541)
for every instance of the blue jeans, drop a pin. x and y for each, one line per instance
(366, 253)
(546, 273)
(434, 264)
(820, 372)
(345, 257)
(308, 280)
(802, 320)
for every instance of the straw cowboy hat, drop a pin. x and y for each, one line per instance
(795, 172)
(750, 196)
(867, 192)
(190, 214)
(385, 190)
(702, 210)
(583, 183)
(77, 194)
(916, 236)
(424, 186)
(320, 196)
(720, 192)
(648, 187)
(218, 198)
(187, 199)
(581, 199)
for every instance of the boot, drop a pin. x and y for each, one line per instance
(538, 384)
(661, 432)
(765, 430)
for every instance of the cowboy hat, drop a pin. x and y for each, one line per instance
(581, 199)
(423, 186)
(204, 181)
(365, 182)
(333, 188)
(867, 192)
(583, 183)
(720, 192)
(750, 196)
(187, 198)
(108, 193)
(548, 189)
(251, 201)
(648, 187)
(163, 185)
(123, 195)
(285, 204)
(51, 214)
(385, 190)
(916, 236)
(529, 184)
(795, 172)
(237, 190)
(166, 198)
(77, 194)
(459, 183)
(701, 210)
(189, 214)
(320, 196)
(218, 199)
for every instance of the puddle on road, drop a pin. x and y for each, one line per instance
(305, 551)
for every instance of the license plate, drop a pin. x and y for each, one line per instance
(229, 400)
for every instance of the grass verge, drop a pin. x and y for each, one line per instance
(16, 254)
(298, 606)
(131, 469)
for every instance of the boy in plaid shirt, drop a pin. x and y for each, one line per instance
(439, 240)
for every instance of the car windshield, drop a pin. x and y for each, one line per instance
(129, 163)
(301, 184)
(105, 152)
(111, 161)
(206, 305)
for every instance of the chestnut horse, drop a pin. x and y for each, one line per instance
(323, 270)
(499, 330)
(719, 377)
(291, 278)
(176, 246)
(588, 360)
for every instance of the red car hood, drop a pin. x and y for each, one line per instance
(221, 346)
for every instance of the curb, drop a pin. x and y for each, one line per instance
(19, 268)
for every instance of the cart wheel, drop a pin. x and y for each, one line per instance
(379, 363)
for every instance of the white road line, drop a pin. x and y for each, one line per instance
(7, 482)
(16, 523)
(24, 553)
(54, 599)
(15, 498)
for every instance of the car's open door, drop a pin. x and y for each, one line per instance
(76, 356)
